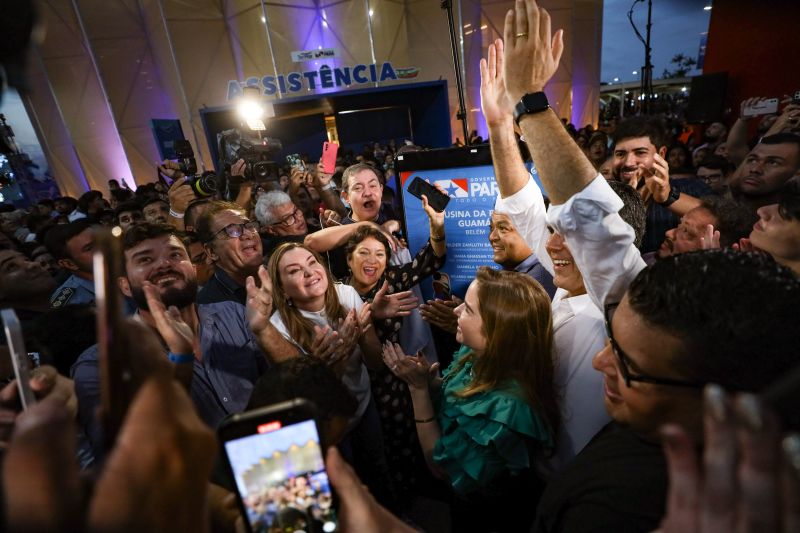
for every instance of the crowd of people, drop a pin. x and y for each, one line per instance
(605, 375)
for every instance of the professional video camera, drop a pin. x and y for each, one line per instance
(234, 144)
(205, 184)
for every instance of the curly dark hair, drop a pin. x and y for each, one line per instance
(735, 314)
(642, 126)
(734, 220)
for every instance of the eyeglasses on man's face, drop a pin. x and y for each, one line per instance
(624, 360)
(234, 231)
(290, 219)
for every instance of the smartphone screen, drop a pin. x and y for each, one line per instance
(280, 477)
(436, 198)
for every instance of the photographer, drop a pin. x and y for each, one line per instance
(181, 193)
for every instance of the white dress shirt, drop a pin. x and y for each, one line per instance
(578, 334)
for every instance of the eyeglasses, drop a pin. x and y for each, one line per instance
(624, 360)
(289, 220)
(234, 231)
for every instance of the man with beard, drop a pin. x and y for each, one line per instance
(757, 183)
(226, 356)
(640, 149)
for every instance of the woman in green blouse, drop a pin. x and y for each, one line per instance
(483, 423)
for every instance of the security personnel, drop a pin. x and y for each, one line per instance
(72, 245)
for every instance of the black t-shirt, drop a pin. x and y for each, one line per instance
(617, 483)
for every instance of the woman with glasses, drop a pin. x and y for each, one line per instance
(495, 409)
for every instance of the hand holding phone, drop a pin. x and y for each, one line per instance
(19, 357)
(329, 151)
(275, 457)
(436, 198)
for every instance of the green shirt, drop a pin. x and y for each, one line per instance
(486, 434)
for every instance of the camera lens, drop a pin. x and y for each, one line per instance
(205, 185)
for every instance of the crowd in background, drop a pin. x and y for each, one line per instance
(608, 373)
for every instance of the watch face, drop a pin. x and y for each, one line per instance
(531, 103)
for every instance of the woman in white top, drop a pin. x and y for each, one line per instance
(324, 319)
(329, 321)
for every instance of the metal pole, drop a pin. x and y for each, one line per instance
(269, 42)
(371, 39)
(461, 113)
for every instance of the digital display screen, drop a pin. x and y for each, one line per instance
(281, 478)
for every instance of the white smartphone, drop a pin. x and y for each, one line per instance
(19, 356)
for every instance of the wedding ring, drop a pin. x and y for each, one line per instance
(523, 34)
(394, 367)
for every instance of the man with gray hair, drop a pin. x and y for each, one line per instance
(281, 220)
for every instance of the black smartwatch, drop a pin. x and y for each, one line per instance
(529, 104)
(671, 198)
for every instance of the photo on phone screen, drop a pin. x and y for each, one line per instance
(436, 198)
(295, 161)
(280, 477)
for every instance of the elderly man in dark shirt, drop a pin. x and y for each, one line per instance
(228, 355)
(234, 248)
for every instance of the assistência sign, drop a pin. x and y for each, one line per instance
(325, 77)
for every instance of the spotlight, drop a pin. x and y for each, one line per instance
(250, 109)
(707, 8)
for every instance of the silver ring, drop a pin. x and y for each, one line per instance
(394, 367)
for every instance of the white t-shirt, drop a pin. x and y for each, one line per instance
(355, 376)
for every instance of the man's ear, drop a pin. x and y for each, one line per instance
(68, 264)
(211, 256)
(124, 286)
(663, 151)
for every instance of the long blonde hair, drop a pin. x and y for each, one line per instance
(518, 326)
(300, 328)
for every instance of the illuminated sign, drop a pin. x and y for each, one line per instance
(323, 78)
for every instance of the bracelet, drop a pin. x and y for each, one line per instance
(173, 214)
(424, 421)
(437, 238)
(330, 186)
(179, 358)
(671, 199)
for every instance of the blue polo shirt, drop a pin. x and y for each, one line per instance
(221, 382)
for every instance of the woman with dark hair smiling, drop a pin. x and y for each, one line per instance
(387, 286)
(497, 405)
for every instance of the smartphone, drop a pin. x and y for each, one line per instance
(441, 286)
(19, 357)
(762, 107)
(117, 387)
(275, 457)
(436, 198)
(329, 151)
(295, 161)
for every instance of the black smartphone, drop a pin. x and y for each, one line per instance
(19, 357)
(436, 198)
(441, 286)
(276, 459)
(117, 384)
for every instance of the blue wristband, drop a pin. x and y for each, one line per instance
(179, 358)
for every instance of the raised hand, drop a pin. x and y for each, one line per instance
(436, 219)
(710, 240)
(657, 181)
(238, 168)
(391, 305)
(497, 107)
(742, 482)
(441, 313)
(415, 371)
(259, 301)
(326, 343)
(177, 334)
(331, 218)
(180, 194)
(532, 53)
